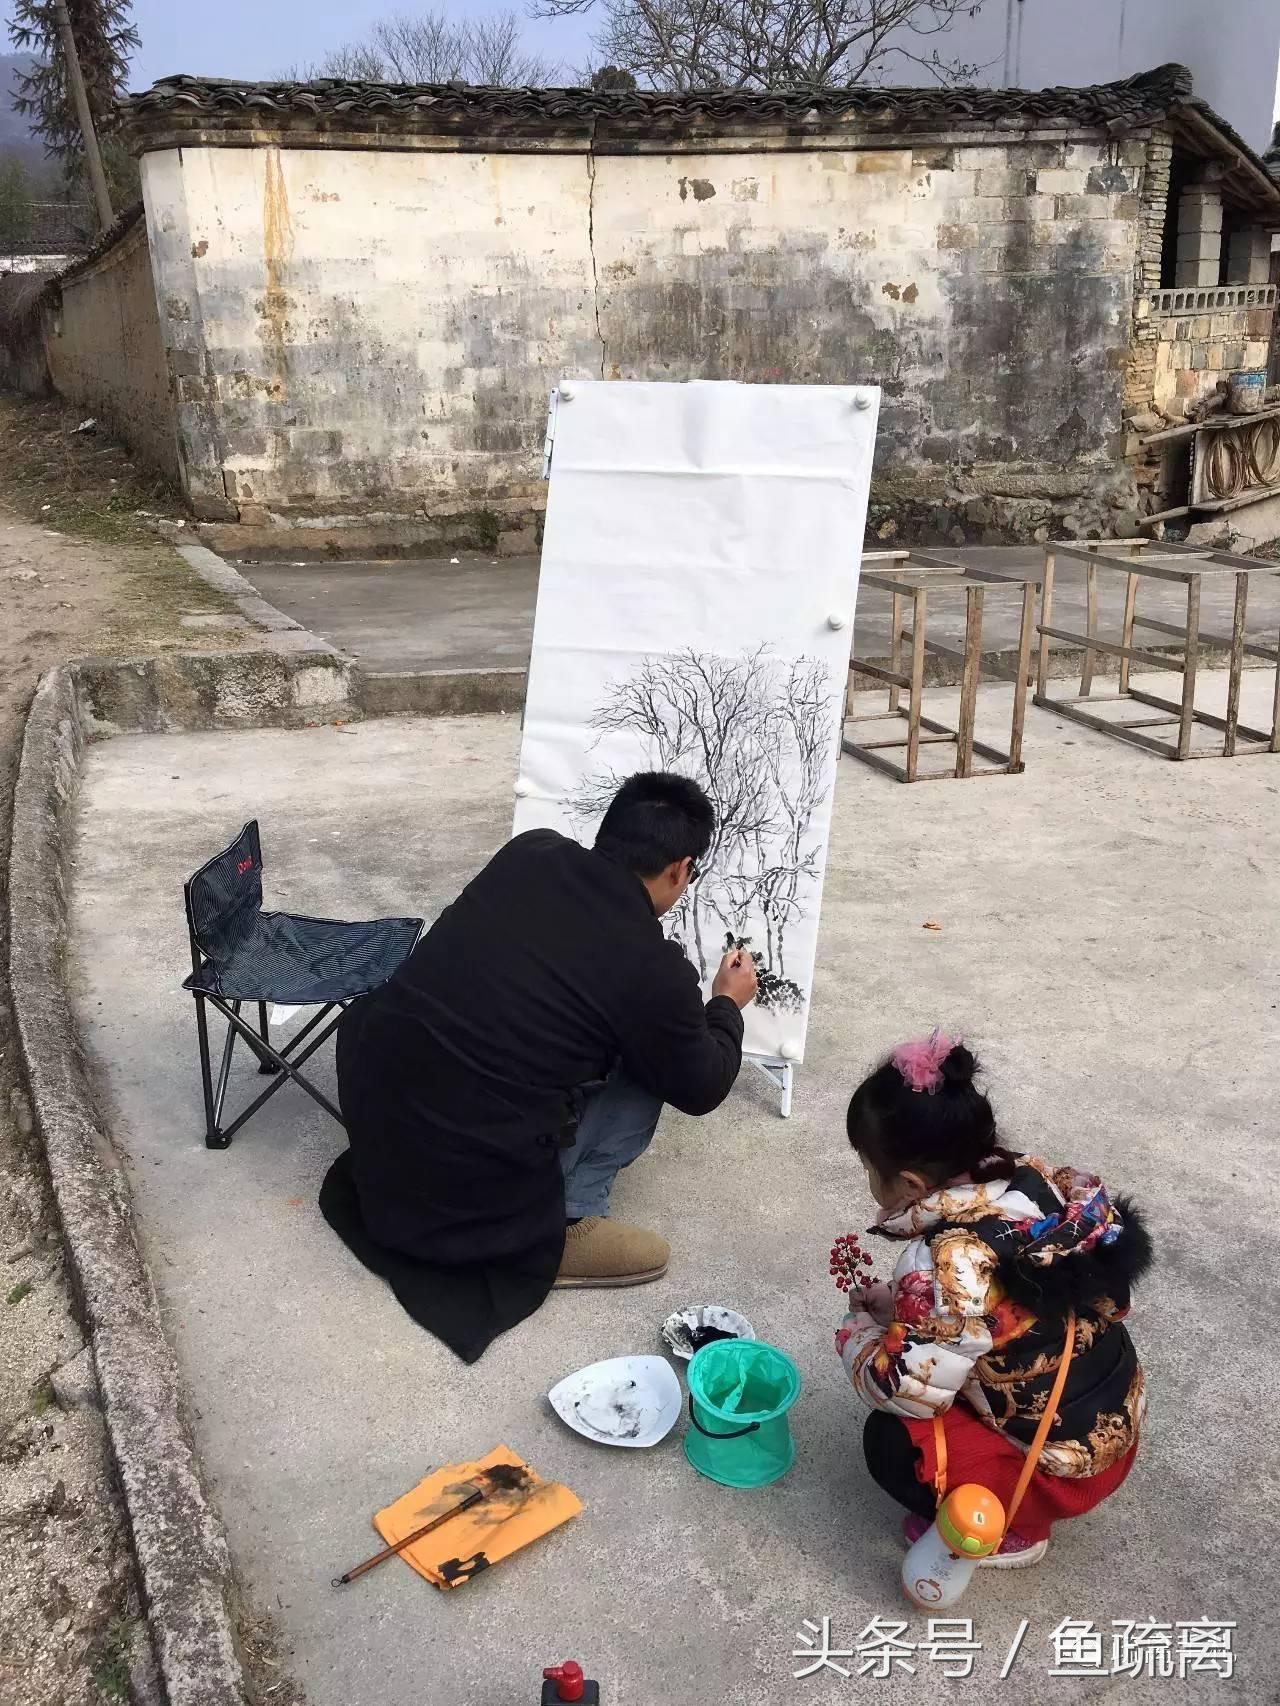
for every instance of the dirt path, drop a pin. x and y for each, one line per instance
(85, 574)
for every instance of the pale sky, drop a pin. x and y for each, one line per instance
(262, 38)
(1232, 50)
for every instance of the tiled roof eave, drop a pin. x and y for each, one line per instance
(216, 102)
(333, 112)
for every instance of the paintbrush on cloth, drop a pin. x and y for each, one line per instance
(466, 1517)
(358, 1570)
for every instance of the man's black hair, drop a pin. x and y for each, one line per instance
(654, 820)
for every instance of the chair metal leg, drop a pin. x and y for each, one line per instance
(287, 1068)
(212, 1137)
(224, 1071)
(286, 1053)
(278, 1064)
(264, 1031)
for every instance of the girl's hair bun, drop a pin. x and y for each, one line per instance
(959, 1068)
(921, 1111)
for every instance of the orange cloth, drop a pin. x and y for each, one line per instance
(498, 1525)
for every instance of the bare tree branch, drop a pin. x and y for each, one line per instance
(430, 47)
(357, 62)
(496, 57)
(757, 737)
(768, 44)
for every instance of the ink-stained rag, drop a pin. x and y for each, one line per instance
(508, 1518)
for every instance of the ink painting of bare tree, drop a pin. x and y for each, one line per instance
(757, 733)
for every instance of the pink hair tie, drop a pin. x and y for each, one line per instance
(920, 1061)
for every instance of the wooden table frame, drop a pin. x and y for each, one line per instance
(913, 577)
(1186, 565)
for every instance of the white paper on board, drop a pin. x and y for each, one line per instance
(695, 613)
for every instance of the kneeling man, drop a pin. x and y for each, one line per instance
(520, 1057)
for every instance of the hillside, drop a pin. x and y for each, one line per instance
(15, 138)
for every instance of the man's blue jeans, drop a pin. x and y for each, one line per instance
(617, 1124)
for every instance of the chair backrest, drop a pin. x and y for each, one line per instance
(225, 896)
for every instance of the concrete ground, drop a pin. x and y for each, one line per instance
(477, 612)
(1109, 933)
(474, 613)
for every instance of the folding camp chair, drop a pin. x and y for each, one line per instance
(240, 953)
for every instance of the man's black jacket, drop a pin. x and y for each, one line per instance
(459, 1077)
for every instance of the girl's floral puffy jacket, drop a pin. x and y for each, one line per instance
(978, 1306)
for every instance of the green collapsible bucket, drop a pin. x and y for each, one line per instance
(739, 1393)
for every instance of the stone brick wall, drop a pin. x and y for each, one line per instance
(1139, 385)
(986, 288)
(106, 353)
(374, 332)
(1195, 351)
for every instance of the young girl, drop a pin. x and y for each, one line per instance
(998, 1251)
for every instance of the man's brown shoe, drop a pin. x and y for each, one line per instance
(598, 1251)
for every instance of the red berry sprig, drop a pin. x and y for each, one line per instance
(850, 1263)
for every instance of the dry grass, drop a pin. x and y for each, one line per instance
(85, 484)
(86, 487)
(261, 1644)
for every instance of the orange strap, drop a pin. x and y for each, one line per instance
(940, 1456)
(1037, 1444)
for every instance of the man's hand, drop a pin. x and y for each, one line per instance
(736, 977)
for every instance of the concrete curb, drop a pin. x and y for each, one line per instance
(401, 693)
(506, 530)
(288, 635)
(183, 1562)
(439, 692)
(463, 692)
(212, 690)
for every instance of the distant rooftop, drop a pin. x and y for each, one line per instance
(45, 228)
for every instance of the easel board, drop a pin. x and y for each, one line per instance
(695, 608)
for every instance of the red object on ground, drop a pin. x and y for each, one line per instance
(976, 1452)
(568, 1679)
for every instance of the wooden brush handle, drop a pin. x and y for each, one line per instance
(399, 1546)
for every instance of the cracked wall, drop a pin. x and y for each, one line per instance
(375, 332)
